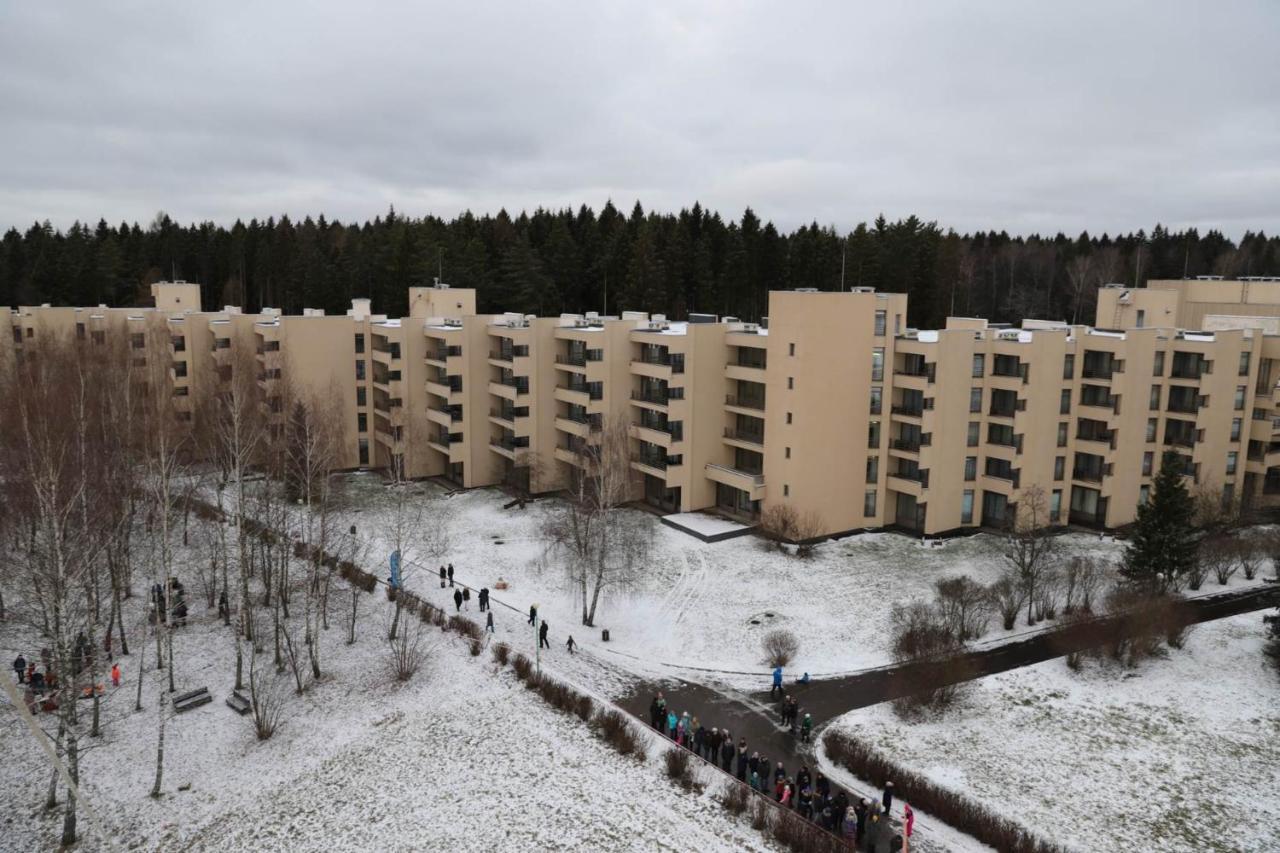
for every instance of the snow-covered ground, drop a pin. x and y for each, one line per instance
(702, 609)
(1180, 754)
(459, 758)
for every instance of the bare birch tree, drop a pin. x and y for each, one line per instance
(1029, 545)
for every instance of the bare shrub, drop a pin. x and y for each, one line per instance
(677, 764)
(408, 650)
(614, 729)
(1008, 595)
(501, 653)
(1249, 554)
(464, 626)
(1145, 621)
(1227, 561)
(584, 706)
(268, 692)
(948, 805)
(1202, 566)
(965, 605)
(761, 815)
(523, 667)
(783, 524)
(920, 632)
(476, 648)
(1048, 595)
(780, 647)
(1177, 633)
(735, 797)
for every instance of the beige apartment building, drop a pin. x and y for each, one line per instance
(833, 406)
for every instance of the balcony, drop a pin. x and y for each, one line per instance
(1181, 439)
(655, 461)
(908, 445)
(572, 360)
(1183, 405)
(443, 389)
(656, 398)
(652, 435)
(751, 404)
(1090, 474)
(908, 411)
(745, 481)
(444, 415)
(581, 427)
(753, 438)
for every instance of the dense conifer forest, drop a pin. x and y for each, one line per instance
(546, 262)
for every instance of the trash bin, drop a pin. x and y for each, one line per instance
(604, 635)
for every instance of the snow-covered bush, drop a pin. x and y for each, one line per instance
(523, 667)
(1007, 593)
(615, 729)
(920, 632)
(407, 650)
(677, 764)
(735, 797)
(780, 647)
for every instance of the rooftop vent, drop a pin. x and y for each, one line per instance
(862, 289)
(806, 290)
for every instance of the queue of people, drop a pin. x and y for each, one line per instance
(864, 823)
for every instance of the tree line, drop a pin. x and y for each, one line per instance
(552, 261)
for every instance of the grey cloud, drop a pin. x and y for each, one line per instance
(1100, 116)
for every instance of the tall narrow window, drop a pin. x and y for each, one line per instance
(869, 503)
(1064, 404)
(1244, 363)
(876, 399)
(1241, 390)
(966, 507)
(873, 469)
(978, 366)
(975, 399)
(1154, 403)
(1157, 366)
(877, 364)
(873, 434)
(880, 318)
(1232, 458)
(1068, 366)
(972, 437)
(970, 469)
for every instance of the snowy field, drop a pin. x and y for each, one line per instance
(459, 758)
(701, 609)
(1180, 754)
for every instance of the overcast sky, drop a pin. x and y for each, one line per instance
(1029, 117)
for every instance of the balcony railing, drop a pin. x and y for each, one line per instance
(575, 360)
(757, 478)
(501, 355)
(920, 476)
(654, 397)
(1186, 407)
(909, 445)
(749, 436)
(1089, 475)
(756, 403)
(1181, 439)
(653, 460)
(445, 410)
(908, 411)
(925, 372)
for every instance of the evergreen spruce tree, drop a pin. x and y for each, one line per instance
(1163, 544)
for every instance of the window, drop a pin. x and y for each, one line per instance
(975, 399)
(869, 503)
(1235, 429)
(1062, 435)
(17, 334)
(1064, 403)
(966, 507)
(978, 366)
(1059, 467)
(1240, 392)
(1068, 366)
(362, 422)
(359, 343)
(873, 469)
(31, 332)
(877, 364)
(1157, 366)
(788, 452)
(179, 369)
(1232, 458)
(1055, 506)
(1148, 459)
(182, 391)
(1244, 363)
(970, 468)
(972, 438)
(897, 324)
(179, 343)
(137, 339)
(360, 371)
(873, 434)
(1151, 429)
(876, 399)
(880, 318)
(1144, 495)
(786, 490)
(791, 383)
(788, 417)
(1142, 317)
(791, 349)
(361, 397)
(1154, 402)
(1228, 496)
(364, 451)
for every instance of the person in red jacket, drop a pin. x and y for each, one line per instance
(115, 675)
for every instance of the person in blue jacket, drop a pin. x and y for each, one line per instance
(777, 682)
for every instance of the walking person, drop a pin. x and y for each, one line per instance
(777, 682)
(672, 724)
(457, 599)
(484, 598)
(806, 728)
(466, 597)
(569, 645)
(488, 622)
(20, 667)
(888, 797)
(542, 636)
(115, 675)
(451, 574)
(442, 577)
(742, 760)
(726, 754)
(908, 820)
(533, 613)
(654, 712)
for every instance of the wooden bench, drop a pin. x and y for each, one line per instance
(238, 703)
(192, 699)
